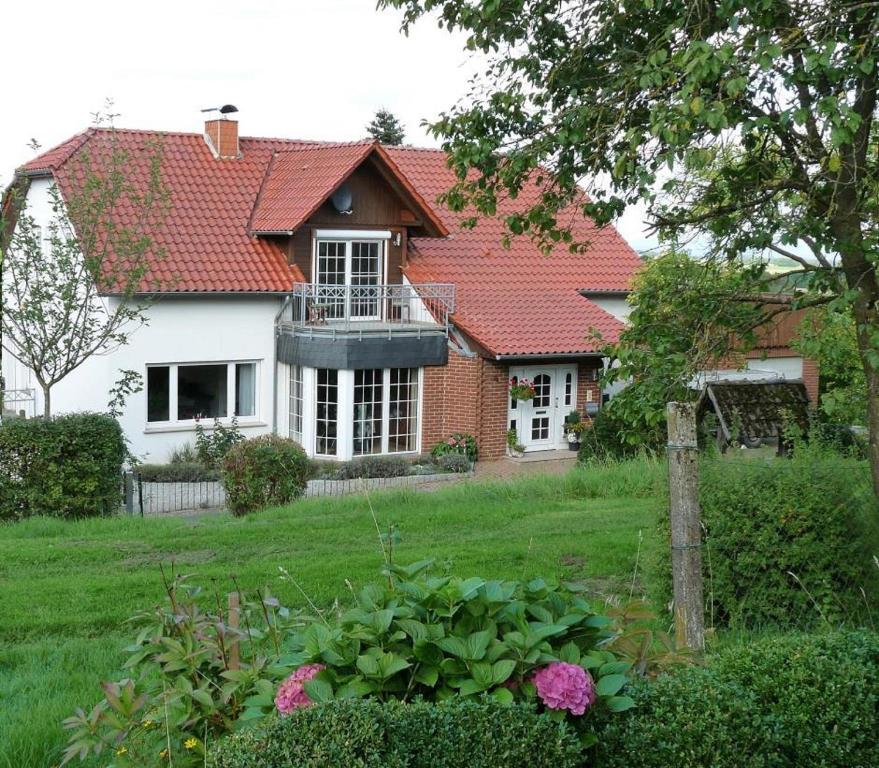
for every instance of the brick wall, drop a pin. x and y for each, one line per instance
(587, 384)
(470, 395)
(467, 395)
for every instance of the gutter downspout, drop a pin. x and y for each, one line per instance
(275, 365)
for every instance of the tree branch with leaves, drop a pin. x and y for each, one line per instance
(78, 285)
(751, 122)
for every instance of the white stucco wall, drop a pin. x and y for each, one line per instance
(615, 306)
(790, 368)
(180, 329)
(200, 329)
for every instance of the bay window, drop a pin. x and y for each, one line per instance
(185, 392)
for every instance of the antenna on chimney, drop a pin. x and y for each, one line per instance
(225, 110)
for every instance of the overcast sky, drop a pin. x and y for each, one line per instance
(310, 69)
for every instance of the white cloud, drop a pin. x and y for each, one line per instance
(295, 68)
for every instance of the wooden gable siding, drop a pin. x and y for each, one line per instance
(376, 205)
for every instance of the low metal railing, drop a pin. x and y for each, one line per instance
(325, 307)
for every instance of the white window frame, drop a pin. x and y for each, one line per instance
(174, 422)
(296, 403)
(345, 414)
(348, 237)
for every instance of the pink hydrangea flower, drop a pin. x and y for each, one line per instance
(291, 693)
(565, 686)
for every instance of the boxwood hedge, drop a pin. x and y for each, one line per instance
(789, 542)
(780, 702)
(373, 734)
(69, 466)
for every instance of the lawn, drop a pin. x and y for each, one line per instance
(69, 586)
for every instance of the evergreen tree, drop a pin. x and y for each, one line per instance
(386, 128)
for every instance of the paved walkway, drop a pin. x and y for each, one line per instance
(537, 462)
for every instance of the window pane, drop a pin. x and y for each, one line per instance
(330, 293)
(158, 393)
(326, 412)
(366, 273)
(403, 410)
(569, 388)
(245, 389)
(201, 391)
(368, 411)
(296, 402)
(542, 388)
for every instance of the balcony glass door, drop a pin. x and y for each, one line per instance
(330, 297)
(366, 276)
(348, 277)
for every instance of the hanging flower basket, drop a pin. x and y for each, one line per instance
(521, 389)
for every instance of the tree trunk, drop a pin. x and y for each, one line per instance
(873, 422)
(47, 400)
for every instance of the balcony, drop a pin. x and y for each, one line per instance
(371, 326)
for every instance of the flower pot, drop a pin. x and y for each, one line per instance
(575, 446)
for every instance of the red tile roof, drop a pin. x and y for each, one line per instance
(517, 301)
(512, 301)
(300, 180)
(204, 239)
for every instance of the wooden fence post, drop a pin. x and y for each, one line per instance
(128, 485)
(686, 527)
(234, 622)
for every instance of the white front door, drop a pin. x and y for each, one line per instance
(539, 422)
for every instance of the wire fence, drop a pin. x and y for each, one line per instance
(149, 498)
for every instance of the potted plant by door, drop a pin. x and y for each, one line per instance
(515, 449)
(573, 428)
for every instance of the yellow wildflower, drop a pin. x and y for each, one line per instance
(121, 750)
(190, 743)
(163, 754)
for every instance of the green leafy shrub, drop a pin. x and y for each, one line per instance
(69, 466)
(373, 466)
(779, 702)
(457, 443)
(177, 472)
(608, 437)
(454, 462)
(263, 472)
(454, 734)
(182, 686)
(185, 454)
(788, 542)
(440, 637)
(211, 447)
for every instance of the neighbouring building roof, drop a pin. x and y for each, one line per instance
(758, 409)
(512, 302)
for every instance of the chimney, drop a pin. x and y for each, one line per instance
(221, 134)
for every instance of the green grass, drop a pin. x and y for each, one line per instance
(71, 585)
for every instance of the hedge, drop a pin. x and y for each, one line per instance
(780, 702)
(371, 734)
(69, 466)
(789, 542)
(177, 472)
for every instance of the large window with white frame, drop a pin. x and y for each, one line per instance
(403, 410)
(368, 410)
(296, 403)
(385, 415)
(186, 392)
(326, 413)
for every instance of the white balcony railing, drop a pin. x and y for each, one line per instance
(323, 308)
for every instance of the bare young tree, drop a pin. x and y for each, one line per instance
(73, 287)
